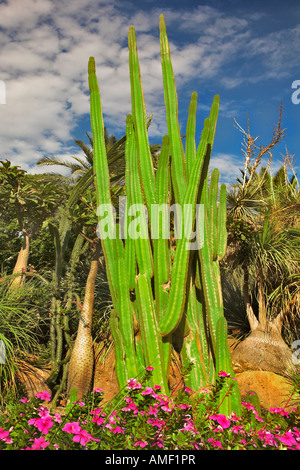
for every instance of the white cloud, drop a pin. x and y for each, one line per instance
(45, 47)
(18, 13)
(228, 165)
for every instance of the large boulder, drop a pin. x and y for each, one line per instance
(273, 390)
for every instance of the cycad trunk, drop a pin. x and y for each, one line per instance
(81, 364)
(21, 263)
(264, 348)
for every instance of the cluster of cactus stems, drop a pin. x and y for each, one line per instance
(163, 292)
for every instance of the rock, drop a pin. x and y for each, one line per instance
(272, 389)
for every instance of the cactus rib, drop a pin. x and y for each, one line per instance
(177, 296)
(177, 153)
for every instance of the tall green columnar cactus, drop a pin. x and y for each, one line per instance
(166, 293)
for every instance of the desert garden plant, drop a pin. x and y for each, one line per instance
(263, 245)
(160, 287)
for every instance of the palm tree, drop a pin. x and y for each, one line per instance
(115, 150)
(79, 166)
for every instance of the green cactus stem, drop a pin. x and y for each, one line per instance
(165, 294)
(171, 102)
(151, 340)
(145, 164)
(142, 243)
(190, 142)
(177, 297)
(102, 180)
(229, 399)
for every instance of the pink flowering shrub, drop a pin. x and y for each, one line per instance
(142, 418)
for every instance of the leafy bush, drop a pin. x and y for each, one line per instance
(139, 417)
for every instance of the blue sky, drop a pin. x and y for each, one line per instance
(247, 52)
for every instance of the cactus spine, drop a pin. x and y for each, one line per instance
(161, 289)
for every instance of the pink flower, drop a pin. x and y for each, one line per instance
(4, 436)
(156, 422)
(186, 389)
(32, 421)
(39, 443)
(57, 418)
(234, 417)
(45, 396)
(133, 384)
(147, 391)
(97, 411)
(157, 387)
(72, 428)
(167, 405)
(184, 406)
(196, 446)
(221, 420)
(159, 443)
(267, 438)
(238, 429)
(280, 411)
(258, 418)
(82, 437)
(97, 390)
(98, 420)
(223, 374)
(44, 424)
(287, 439)
(118, 430)
(188, 426)
(149, 368)
(153, 410)
(44, 412)
(249, 406)
(131, 407)
(113, 418)
(215, 443)
(24, 400)
(141, 443)
(166, 408)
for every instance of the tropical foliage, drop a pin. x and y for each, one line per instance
(67, 291)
